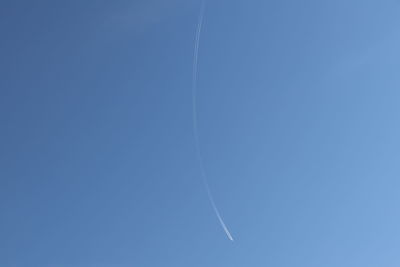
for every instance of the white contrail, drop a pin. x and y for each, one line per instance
(195, 131)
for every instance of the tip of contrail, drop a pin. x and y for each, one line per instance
(228, 234)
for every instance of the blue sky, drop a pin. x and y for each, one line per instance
(298, 105)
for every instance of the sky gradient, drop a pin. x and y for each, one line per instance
(298, 117)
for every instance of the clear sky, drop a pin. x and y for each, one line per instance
(298, 105)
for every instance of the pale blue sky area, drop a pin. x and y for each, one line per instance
(298, 105)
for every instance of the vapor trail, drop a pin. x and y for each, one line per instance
(195, 130)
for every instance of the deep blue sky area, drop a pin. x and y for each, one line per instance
(299, 120)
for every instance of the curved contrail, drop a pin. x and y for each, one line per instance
(195, 131)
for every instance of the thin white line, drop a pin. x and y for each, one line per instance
(195, 128)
